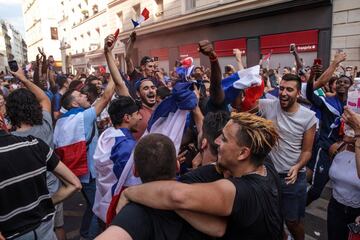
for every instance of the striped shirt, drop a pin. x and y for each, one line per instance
(24, 198)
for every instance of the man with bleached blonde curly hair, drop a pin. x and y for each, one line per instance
(249, 199)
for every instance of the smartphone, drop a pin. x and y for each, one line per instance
(13, 65)
(317, 61)
(156, 59)
(292, 47)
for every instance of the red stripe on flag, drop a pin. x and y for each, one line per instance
(145, 13)
(74, 157)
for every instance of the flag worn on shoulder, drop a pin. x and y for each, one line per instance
(333, 104)
(239, 81)
(70, 142)
(169, 118)
(111, 155)
(144, 15)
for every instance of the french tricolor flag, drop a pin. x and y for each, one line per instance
(144, 15)
(70, 142)
(169, 118)
(240, 80)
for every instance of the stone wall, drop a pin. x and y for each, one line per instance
(346, 30)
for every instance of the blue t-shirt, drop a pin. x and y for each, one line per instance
(56, 102)
(90, 124)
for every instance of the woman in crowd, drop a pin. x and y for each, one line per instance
(344, 174)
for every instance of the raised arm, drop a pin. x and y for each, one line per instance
(129, 51)
(310, 95)
(217, 94)
(237, 54)
(299, 63)
(105, 98)
(39, 94)
(170, 195)
(325, 77)
(120, 85)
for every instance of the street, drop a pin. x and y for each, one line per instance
(315, 219)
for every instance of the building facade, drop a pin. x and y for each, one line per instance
(346, 30)
(11, 45)
(317, 27)
(41, 28)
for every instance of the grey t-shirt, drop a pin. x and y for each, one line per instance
(291, 128)
(45, 133)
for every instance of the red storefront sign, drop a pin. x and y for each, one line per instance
(225, 48)
(161, 53)
(306, 41)
(189, 50)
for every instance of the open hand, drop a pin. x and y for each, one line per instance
(339, 57)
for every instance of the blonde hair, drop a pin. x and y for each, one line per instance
(256, 133)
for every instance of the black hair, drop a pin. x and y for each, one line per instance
(213, 123)
(155, 158)
(146, 60)
(23, 107)
(293, 77)
(91, 78)
(91, 91)
(67, 99)
(61, 80)
(119, 107)
(75, 84)
(350, 78)
(163, 92)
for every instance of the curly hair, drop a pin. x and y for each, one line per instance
(256, 133)
(23, 107)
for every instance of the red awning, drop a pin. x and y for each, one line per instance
(161, 53)
(306, 41)
(189, 50)
(225, 47)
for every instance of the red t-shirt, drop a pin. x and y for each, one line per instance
(145, 112)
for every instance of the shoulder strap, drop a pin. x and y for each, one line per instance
(91, 137)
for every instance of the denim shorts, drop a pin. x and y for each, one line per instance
(293, 198)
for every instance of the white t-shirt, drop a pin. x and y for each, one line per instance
(344, 179)
(291, 128)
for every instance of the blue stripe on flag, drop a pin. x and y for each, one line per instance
(182, 98)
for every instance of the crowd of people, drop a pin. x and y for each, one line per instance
(196, 153)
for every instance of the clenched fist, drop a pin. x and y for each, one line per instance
(206, 48)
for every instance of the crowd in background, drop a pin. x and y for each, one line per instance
(261, 146)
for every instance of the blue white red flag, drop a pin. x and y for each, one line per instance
(169, 118)
(239, 81)
(70, 142)
(112, 152)
(144, 15)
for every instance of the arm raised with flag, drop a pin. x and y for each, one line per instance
(121, 88)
